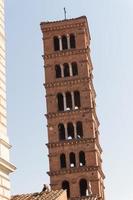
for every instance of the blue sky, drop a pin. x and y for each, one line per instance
(111, 28)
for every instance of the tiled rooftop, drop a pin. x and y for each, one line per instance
(44, 195)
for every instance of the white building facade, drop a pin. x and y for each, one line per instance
(5, 166)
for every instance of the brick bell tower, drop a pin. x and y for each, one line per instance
(73, 138)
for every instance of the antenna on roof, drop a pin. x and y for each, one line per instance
(65, 12)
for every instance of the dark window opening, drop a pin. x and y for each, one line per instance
(72, 160)
(60, 102)
(64, 42)
(58, 71)
(79, 129)
(77, 99)
(65, 186)
(61, 130)
(74, 69)
(83, 187)
(70, 131)
(72, 41)
(66, 70)
(81, 158)
(56, 44)
(69, 101)
(62, 161)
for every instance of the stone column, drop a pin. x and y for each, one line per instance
(70, 69)
(66, 135)
(64, 99)
(73, 104)
(68, 41)
(75, 131)
(62, 71)
(60, 42)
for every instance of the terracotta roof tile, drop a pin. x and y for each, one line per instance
(51, 195)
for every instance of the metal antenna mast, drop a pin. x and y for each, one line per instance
(65, 12)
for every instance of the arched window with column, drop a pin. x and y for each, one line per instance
(56, 43)
(68, 100)
(58, 71)
(83, 188)
(60, 102)
(65, 186)
(70, 131)
(77, 99)
(61, 131)
(62, 160)
(64, 42)
(81, 158)
(74, 69)
(79, 129)
(66, 70)
(72, 159)
(72, 41)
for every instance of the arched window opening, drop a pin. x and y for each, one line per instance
(65, 186)
(62, 161)
(72, 41)
(79, 129)
(64, 42)
(69, 101)
(61, 130)
(58, 71)
(83, 188)
(74, 69)
(70, 131)
(77, 99)
(72, 160)
(56, 44)
(81, 158)
(66, 70)
(60, 102)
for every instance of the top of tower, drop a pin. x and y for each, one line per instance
(65, 24)
(64, 20)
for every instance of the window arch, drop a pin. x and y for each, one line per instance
(72, 41)
(74, 69)
(83, 187)
(56, 43)
(58, 71)
(60, 102)
(66, 70)
(77, 99)
(70, 130)
(65, 186)
(79, 129)
(68, 100)
(72, 159)
(62, 160)
(61, 130)
(81, 158)
(64, 42)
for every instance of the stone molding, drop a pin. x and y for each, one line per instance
(68, 52)
(71, 142)
(67, 82)
(73, 170)
(6, 166)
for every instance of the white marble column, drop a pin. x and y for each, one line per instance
(66, 135)
(75, 131)
(62, 71)
(60, 42)
(68, 41)
(73, 104)
(64, 99)
(70, 69)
